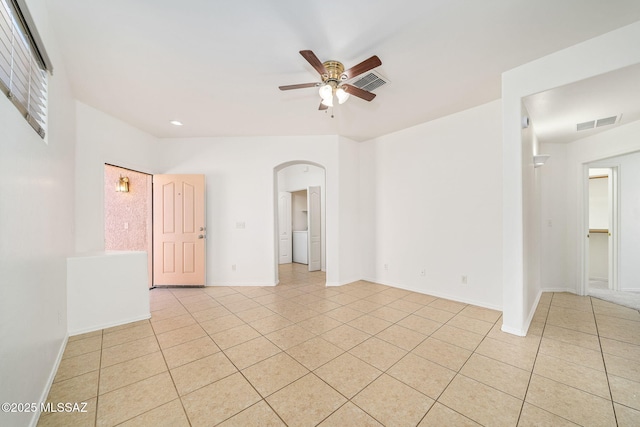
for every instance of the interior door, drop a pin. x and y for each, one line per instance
(178, 230)
(315, 238)
(284, 228)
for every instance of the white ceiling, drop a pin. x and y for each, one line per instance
(556, 112)
(216, 65)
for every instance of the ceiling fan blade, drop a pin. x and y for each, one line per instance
(360, 93)
(322, 106)
(298, 86)
(314, 61)
(363, 67)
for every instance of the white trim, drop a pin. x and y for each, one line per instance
(242, 284)
(108, 325)
(52, 376)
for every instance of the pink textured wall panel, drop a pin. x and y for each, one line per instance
(127, 215)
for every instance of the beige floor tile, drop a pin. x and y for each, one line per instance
(219, 291)
(496, 374)
(348, 374)
(131, 371)
(122, 336)
(258, 415)
(622, 367)
(169, 312)
(85, 335)
(572, 301)
(626, 416)
(570, 336)
(343, 298)
(315, 352)
(345, 336)
(173, 323)
(180, 336)
(609, 309)
(530, 342)
(222, 323)
(129, 350)
(274, 373)
(232, 299)
(420, 324)
(250, 352)
(570, 403)
(392, 402)
(402, 337)
(470, 324)
(518, 356)
(369, 324)
(405, 306)
(240, 306)
(435, 314)
(219, 401)
(532, 416)
(290, 336)
(210, 313)
(256, 313)
(572, 353)
(481, 313)
(78, 365)
(135, 399)
(168, 415)
(389, 314)
(325, 305)
(448, 305)
(419, 298)
(364, 305)
(378, 353)
(71, 419)
(621, 349)
(625, 391)
(305, 402)
(188, 352)
(442, 353)
(349, 415)
(76, 389)
(381, 298)
(590, 380)
(577, 320)
(320, 324)
(83, 346)
(234, 336)
(459, 337)
(439, 416)
(202, 372)
(344, 314)
(144, 322)
(270, 324)
(618, 329)
(481, 402)
(427, 377)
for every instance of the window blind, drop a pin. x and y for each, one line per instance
(23, 67)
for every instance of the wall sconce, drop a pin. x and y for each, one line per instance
(122, 185)
(540, 160)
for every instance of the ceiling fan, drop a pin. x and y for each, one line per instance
(333, 76)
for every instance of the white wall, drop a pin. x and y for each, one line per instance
(587, 59)
(36, 225)
(350, 213)
(102, 139)
(431, 199)
(565, 200)
(239, 174)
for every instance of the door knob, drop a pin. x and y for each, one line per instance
(200, 236)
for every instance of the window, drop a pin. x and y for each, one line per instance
(23, 63)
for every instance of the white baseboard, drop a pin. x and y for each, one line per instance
(109, 325)
(241, 284)
(560, 289)
(52, 376)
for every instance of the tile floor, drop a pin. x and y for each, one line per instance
(363, 354)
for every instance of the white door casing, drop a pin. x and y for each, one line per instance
(314, 228)
(285, 244)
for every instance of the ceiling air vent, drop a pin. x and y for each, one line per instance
(369, 81)
(605, 121)
(586, 125)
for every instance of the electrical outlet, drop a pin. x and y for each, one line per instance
(233, 267)
(463, 280)
(423, 272)
(386, 266)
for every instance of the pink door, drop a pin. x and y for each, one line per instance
(178, 230)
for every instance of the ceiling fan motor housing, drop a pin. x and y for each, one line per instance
(334, 71)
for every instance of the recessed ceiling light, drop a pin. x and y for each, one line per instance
(176, 122)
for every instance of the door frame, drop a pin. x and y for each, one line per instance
(614, 218)
(276, 231)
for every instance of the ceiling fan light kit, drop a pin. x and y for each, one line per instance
(333, 76)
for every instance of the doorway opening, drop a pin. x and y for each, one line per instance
(128, 212)
(601, 218)
(300, 219)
